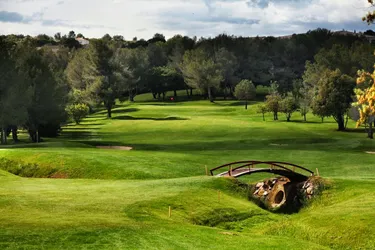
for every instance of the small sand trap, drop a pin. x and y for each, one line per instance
(371, 153)
(115, 147)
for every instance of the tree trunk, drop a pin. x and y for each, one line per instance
(370, 132)
(109, 111)
(264, 118)
(14, 134)
(2, 136)
(175, 93)
(322, 119)
(154, 95)
(340, 123)
(304, 117)
(163, 96)
(37, 136)
(246, 105)
(231, 91)
(209, 91)
(225, 93)
(191, 91)
(288, 117)
(5, 136)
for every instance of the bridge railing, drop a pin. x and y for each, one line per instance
(233, 166)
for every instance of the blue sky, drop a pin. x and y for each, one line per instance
(142, 18)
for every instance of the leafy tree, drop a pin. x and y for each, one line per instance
(57, 36)
(245, 90)
(304, 102)
(77, 111)
(106, 38)
(156, 54)
(14, 92)
(273, 104)
(333, 96)
(47, 97)
(72, 34)
(288, 106)
(229, 65)
(130, 66)
(157, 38)
(262, 109)
(296, 90)
(80, 79)
(201, 72)
(365, 93)
(370, 16)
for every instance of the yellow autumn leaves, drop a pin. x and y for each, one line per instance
(365, 96)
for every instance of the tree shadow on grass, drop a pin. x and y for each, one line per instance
(287, 144)
(119, 111)
(127, 117)
(306, 122)
(78, 134)
(356, 130)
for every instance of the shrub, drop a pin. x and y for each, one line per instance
(77, 111)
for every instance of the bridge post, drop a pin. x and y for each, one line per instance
(230, 170)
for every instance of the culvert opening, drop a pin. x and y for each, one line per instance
(279, 197)
(283, 195)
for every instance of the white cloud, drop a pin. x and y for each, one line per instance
(143, 18)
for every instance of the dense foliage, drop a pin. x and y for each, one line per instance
(42, 75)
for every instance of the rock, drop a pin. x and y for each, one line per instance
(259, 184)
(310, 190)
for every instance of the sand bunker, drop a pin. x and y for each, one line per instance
(115, 147)
(369, 152)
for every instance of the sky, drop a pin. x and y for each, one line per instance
(201, 18)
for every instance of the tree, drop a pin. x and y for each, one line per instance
(57, 36)
(370, 16)
(77, 111)
(262, 109)
(14, 92)
(304, 102)
(245, 90)
(130, 66)
(288, 106)
(47, 96)
(333, 96)
(201, 72)
(91, 72)
(72, 34)
(365, 93)
(296, 90)
(273, 104)
(228, 65)
(79, 77)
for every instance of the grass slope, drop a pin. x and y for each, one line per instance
(119, 199)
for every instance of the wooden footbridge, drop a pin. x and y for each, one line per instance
(240, 168)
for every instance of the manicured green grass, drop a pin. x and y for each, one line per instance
(113, 199)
